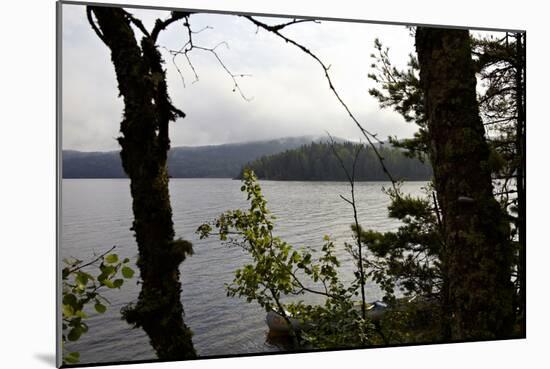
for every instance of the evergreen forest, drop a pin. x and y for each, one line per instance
(320, 161)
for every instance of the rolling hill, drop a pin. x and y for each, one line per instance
(216, 161)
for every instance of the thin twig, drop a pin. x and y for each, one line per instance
(351, 179)
(91, 262)
(369, 136)
(162, 24)
(190, 45)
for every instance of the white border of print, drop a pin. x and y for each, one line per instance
(27, 151)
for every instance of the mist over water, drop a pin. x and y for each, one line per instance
(97, 214)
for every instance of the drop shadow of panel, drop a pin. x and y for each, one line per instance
(46, 358)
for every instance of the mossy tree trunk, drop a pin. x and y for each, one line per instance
(477, 256)
(520, 174)
(145, 143)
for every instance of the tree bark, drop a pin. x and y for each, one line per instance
(145, 143)
(478, 256)
(520, 175)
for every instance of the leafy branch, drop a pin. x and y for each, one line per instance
(81, 289)
(277, 270)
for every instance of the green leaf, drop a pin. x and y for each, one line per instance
(108, 283)
(127, 272)
(111, 258)
(103, 276)
(69, 299)
(118, 282)
(106, 271)
(68, 310)
(82, 280)
(84, 327)
(72, 358)
(100, 308)
(81, 314)
(75, 333)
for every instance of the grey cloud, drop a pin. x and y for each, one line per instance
(291, 96)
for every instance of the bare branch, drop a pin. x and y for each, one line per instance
(346, 199)
(370, 137)
(202, 29)
(190, 45)
(351, 179)
(91, 262)
(162, 24)
(137, 23)
(295, 21)
(233, 76)
(94, 26)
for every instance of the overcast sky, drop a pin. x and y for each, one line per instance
(289, 94)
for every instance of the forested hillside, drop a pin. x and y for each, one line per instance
(317, 162)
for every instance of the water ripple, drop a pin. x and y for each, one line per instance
(96, 214)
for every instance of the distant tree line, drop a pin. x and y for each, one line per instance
(317, 162)
(214, 161)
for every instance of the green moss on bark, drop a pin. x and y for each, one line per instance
(478, 257)
(145, 143)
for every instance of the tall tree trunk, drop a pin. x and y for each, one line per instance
(477, 256)
(145, 143)
(520, 174)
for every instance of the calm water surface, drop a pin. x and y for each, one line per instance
(96, 214)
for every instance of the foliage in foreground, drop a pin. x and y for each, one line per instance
(407, 260)
(278, 270)
(81, 290)
(499, 63)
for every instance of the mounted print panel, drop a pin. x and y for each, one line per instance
(239, 184)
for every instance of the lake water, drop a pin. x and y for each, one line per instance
(96, 214)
